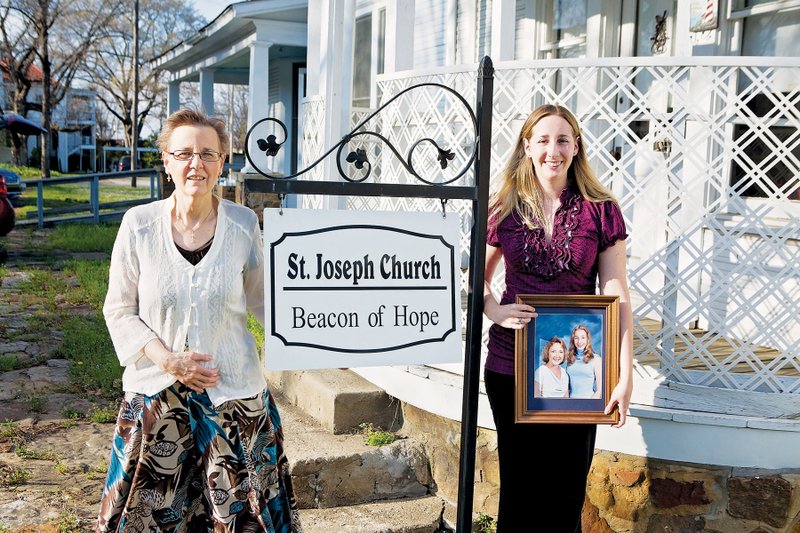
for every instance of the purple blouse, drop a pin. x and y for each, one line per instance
(567, 265)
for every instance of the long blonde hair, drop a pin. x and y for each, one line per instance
(588, 352)
(521, 191)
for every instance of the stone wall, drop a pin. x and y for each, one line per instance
(256, 201)
(627, 493)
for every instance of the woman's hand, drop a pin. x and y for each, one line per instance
(512, 316)
(188, 368)
(621, 399)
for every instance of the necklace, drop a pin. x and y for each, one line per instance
(196, 226)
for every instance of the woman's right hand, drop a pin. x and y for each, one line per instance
(189, 369)
(512, 316)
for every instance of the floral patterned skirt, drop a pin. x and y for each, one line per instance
(179, 464)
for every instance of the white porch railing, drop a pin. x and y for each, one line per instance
(704, 157)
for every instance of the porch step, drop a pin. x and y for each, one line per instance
(341, 470)
(340, 400)
(422, 515)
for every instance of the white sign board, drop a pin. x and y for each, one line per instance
(361, 288)
(703, 15)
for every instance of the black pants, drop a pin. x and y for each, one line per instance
(543, 467)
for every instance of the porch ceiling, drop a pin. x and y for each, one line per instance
(223, 44)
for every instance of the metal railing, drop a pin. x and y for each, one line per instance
(94, 210)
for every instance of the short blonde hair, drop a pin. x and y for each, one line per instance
(552, 342)
(191, 117)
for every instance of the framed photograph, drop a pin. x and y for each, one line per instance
(567, 359)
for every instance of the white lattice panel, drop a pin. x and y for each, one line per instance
(685, 144)
(312, 118)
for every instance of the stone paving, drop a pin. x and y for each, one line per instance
(51, 466)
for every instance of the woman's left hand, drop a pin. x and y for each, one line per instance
(621, 399)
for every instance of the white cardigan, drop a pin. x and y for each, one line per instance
(153, 292)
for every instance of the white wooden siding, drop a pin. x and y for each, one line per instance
(484, 30)
(429, 34)
(464, 32)
(523, 40)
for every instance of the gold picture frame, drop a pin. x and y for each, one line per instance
(540, 384)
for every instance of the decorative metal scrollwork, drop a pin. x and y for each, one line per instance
(358, 157)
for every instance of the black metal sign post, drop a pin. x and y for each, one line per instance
(477, 193)
(477, 260)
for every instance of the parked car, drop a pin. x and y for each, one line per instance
(125, 164)
(7, 216)
(13, 184)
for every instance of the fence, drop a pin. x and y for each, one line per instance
(703, 155)
(93, 209)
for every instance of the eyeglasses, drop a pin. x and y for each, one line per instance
(209, 156)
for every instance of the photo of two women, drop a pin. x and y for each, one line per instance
(568, 360)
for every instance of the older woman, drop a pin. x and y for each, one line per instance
(550, 380)
(198, 443)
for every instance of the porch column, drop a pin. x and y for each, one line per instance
(207, 90)
(173, 96)
(399, 35)
(503, 29)
(258, 91)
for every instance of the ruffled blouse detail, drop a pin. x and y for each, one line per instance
(545, 259)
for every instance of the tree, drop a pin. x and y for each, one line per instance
(17, 54)
(72, 26)
(162, 25)
(231, 104)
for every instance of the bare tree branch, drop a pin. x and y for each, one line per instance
(162, 25)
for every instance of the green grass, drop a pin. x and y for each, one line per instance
(485, 524)
(95, 367)
(75, 282)
(68, 522)
(74, 194)
(13, 475)
(37, 403)
(83, 237)
(44, 284)
(375, 436)
(23, 452)
(93, 279)
(71, 413)
(30, 173)
(7, 362)
(258, 333)
(103, 415)
(8, 429)
(98, 471)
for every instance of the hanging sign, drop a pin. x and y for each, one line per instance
(361, 288)
(703, 15)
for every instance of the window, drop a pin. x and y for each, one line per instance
(369, 52)
(769, 164)
(760, 171)
(745, 8)
(566, 29)
(362, 61)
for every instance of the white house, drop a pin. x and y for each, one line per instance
(261, 44)
(690, 115)
(73, 124)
